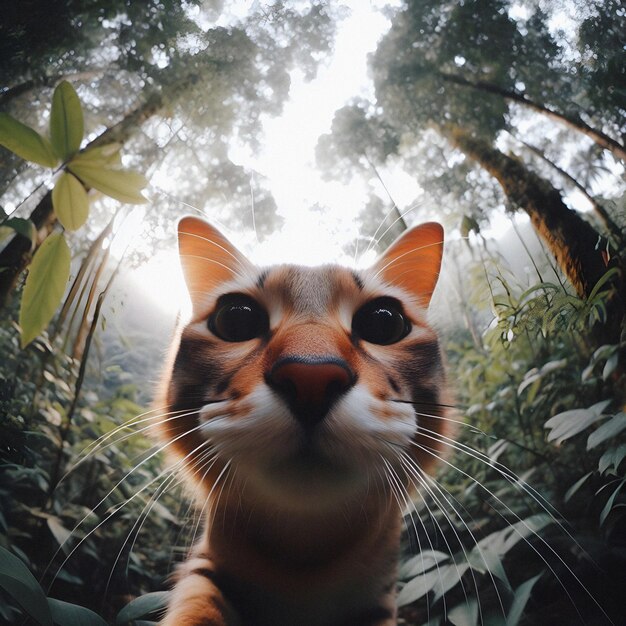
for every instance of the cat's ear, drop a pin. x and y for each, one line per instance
(207, 257)
(412, 261)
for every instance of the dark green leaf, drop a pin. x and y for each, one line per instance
(66, 614)
(24, 227)
(143, 606)
(21, 585)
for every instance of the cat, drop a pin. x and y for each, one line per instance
(304, 403)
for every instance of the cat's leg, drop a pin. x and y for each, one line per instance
(196, 599)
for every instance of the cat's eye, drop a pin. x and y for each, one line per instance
(238, 317)
(381, 321)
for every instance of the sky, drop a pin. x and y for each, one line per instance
(319, 216)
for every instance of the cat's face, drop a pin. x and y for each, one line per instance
(308, 383)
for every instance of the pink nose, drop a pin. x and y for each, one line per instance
(310, 385)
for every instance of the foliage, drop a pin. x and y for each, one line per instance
(98, 168)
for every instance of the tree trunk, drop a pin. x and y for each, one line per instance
(611, 226)
(572, 240)
(16, 254)
(574, 122)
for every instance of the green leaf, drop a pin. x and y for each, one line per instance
(66, 121)
(609, 503)
(610, 366)
(45, 285)
(611, 459)
(70, 201)
(420, 563)
(417, 587)
(520, 600)
(143, 606)
(450, 575)
(26, 142)
(576, 486)
(103, 156)
(485, 559)
(20, 584)
(23, 227)
(123, 185)
(609, 429)
(569, 423)
(66, 614)
(465, 614)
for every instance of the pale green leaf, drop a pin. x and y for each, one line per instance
(417, 588)
(45, 285)
(70, 201)
(143, 606)
(610, 366)
(104, 156)
(609, 429)
(522, 595)
(465, 614)
(26, 142)
(486, 559)
(66, 121)
(66, 614)
(420, 563)
(21, 585)
(569, 423)
(123, 185)
(449, 576)
(611, 459)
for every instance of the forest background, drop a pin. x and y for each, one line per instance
(504, 120)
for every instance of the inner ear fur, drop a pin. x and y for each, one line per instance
(413, 261)
(207, 257)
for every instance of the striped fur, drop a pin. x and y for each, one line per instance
(290, 540)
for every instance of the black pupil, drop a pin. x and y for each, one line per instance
(381, 321)
(238, 317)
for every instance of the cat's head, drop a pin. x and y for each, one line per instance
(308, 384)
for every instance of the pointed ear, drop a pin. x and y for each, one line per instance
(412, 262)
(207, 257)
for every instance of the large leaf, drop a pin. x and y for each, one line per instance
(26, 142)
(569, 423)
(611, 459)
(66, 614)
(418, 587)
(465, 614)
(103, 156)
(70, 201)
(66, 121)
(609, 429)
(143, 606)
(20, 584)
(420, 563)
(522, 595)
(123, 185)
(45, 285)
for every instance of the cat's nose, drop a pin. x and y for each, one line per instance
(310, 385)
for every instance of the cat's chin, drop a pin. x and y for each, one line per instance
(307, 481)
